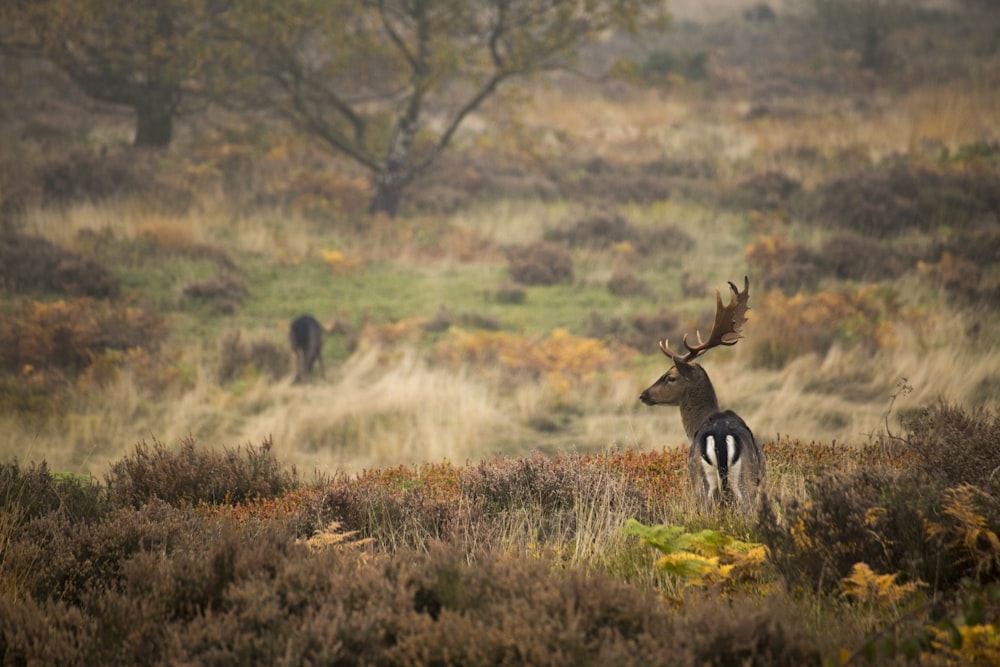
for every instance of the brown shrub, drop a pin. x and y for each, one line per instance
(896, 198)
(31, 263)
(962, 278)
(602, 230)
(956, 446)
(767, 191)
(873, 516)
(596, 231)
(237, 357)
(624, 282)
(192, 475)
(542, 263)
(640, 331)
(850, 257)
(69, 335)
(26, 494)
(788, 327)
(83, 175)
(778, 263)
(979, 246)
(222, 293)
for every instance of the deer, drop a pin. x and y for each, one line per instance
(725, 461)
(306, 337)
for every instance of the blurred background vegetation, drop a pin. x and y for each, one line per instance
(497, 212)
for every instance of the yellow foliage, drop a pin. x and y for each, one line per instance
(787, 327)
(170, 233)
(980, 646)
(562, 359)
(967, 532)
(332, 536)
(341, 262)
(877, 590)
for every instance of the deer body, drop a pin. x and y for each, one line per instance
(306, 336)
(724, 460)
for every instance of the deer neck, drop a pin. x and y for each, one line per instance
(697, 405)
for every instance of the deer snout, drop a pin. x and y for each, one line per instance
(645, 398)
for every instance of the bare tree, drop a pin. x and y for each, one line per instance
(388, 82)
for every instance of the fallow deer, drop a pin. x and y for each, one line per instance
(724, 460)
(306, 337)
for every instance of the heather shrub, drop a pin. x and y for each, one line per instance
(749, 632)
(602, 182)
(31, 263)
(543, 263)
(893, 199)
(663, 64)
(640, 331)
(624, 282)
(767, 191)
(395, 518)
(222, 294)
(598, 231)
(81, 175)
(192, 475)
(778, 263)
(237, 357)
(874, 516)
(32, 492)
(962, 278)
(955, 446)
(980, 246)
(857, 258)
(68, 335)
(52, 557)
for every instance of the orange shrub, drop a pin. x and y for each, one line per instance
(46, 343)
(787, 327)
(562, 358)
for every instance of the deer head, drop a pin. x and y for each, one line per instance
(686, 384)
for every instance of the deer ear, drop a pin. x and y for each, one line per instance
(684, 368)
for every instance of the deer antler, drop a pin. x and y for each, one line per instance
(726, 329)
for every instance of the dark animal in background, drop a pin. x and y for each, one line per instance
(306, 337)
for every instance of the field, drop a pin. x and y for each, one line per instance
(478, 420)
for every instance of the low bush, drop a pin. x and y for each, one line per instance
(962, 278)
(893, 199)
(193, 475)
(873, 516)
(954, 445)
(33, 264)
(624, 282)
(32, 492)
(237, 357)
(788, 327)
(766, 191)
(543, 263)
(640, 331)
(778, 263)
(68, 335)
(222, 294)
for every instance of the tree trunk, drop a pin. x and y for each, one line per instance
(388, 193)
(154, 120)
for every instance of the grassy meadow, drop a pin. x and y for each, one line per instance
(476, 447)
